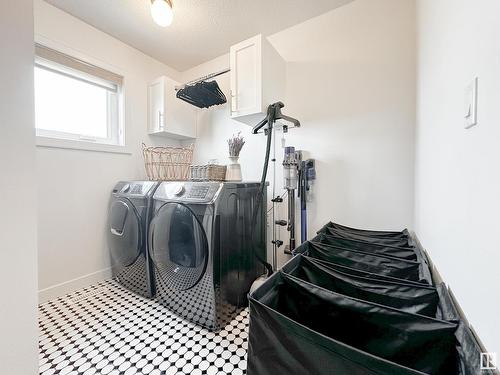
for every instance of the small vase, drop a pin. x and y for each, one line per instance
(233, 172)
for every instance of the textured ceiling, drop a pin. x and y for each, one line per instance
(201, 30)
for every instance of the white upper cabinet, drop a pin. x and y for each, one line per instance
(257, 79)
(167, 115)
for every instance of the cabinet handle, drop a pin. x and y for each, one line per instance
(234, 103)
(160, 124)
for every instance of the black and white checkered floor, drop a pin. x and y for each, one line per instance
(106, 329)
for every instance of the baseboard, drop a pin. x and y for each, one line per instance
(69, 286)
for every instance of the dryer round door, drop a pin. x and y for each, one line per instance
(124, 233)
(179, 246)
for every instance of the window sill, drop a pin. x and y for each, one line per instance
(47, 142)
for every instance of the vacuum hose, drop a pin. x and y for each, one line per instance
(262, 188)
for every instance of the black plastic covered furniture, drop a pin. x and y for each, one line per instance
(408, 253)
(416, 298)
(375, 263)
(380, 240)
(298, 328)
(404, 234)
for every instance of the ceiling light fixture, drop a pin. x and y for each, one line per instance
(161, 11)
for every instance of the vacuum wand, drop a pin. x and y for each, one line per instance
(291, 161)
(303, 206)
(307, 176)
(291, 219)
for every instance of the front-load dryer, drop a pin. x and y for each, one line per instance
(205, 244)
(129, 215)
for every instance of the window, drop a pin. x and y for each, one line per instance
(75, 100)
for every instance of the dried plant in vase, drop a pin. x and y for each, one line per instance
(235, 144)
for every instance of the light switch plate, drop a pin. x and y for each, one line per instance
(470, 109)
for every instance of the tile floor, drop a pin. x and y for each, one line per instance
(106, 329)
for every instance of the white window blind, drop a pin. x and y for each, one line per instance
(50, 59)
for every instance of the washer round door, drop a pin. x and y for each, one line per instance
(179, 246)
(124, 233)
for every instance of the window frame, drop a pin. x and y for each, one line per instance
(115, 142)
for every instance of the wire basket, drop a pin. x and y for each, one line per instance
(167, 163)
(208, 172)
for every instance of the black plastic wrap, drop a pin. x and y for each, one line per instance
(469, 352)
(410, 298)
(446, 308)
(358, 302)
(399, 252)
(381, 264)
(404, 234)
(401, 242)
(358, 272)
(299, 328)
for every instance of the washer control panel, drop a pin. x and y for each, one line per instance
(133, 188)
(189, 192)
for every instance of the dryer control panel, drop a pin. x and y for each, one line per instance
(198, 192)
(188, 192)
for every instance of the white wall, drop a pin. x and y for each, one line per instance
(74, 186)
(18, 277)
(457, 180)
(351, 82)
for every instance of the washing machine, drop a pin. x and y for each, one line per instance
(206, 243)
(129, 214)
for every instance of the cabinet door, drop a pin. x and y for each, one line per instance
(156, 96)
(189, 119)
(180, 117)
(183, 118)
(246, 77)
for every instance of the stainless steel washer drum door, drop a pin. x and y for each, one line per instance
(179, 247)
(124, 233)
